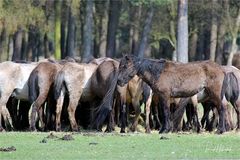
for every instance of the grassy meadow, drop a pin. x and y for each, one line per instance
(89, 145)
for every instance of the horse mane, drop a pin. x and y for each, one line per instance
(152, 66)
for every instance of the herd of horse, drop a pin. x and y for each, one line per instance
(50, 95)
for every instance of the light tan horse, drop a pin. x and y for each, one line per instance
(13, 81)
(73, 78)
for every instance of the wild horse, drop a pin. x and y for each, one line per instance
(13, 82)
(134, 94)
(40, 82)
(176, 80)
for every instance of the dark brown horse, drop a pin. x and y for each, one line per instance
(176, 80)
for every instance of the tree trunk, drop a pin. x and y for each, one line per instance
(114, 13)
(213, 40)
(135, 14)
(103, 30)
(88, 30)
(233, 51)
(57, 30)
(145, 33)
(10, 47)
(70, 47)
(17, 45)
(172, 39)
(182, 31)
(63, 27)
(3, 38)
(24, 46)
(234, 47)
(46, 46)
(193, 46)
(220, 43)
(221, 33)
(64, 18)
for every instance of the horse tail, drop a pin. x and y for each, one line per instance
(58, 84)
(231, 88)
(104, 109)
(33, 91)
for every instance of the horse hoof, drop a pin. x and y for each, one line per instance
(219, 132)
(32, 129)
(122, 131)
(164, 131)
(148, 130)
(133, 129)
(2, 130)
(75, 130)
(58, 129)
(108, 130)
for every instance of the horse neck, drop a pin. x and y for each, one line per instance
(149, 71)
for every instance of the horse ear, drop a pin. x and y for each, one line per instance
(127, 57)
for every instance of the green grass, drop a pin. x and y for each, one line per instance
(117, 146)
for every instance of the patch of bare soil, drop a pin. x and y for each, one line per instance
(67, 137)
(93, 143)
(52, 136)
(164, 138)
(8, 149)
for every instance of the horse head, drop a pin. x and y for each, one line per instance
(128, 68)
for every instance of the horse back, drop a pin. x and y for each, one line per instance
(185, 80)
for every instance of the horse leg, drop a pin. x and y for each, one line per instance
(205, 118)
(166, 114)
(111, 122)
(123, 116)
(40, 112)
(36, 108)
(136, 106)
(123, 112)
(195, 117)
(7, 117)
(221, 108)
(74, 96)
(1, 128)
(148, 105)
(71, 113)
(236, 106)
(59, 111)
(13, 110)
(23, 115)
(156, 114)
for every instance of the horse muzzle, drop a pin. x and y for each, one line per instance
(120, 83)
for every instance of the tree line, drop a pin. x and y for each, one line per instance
(174, 29)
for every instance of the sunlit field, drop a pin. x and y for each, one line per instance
(90, 145)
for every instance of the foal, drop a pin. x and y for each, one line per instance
(176, 80)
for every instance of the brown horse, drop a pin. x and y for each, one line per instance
(132, 95)
(231, 95)
(40, 81)
(176, 80)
